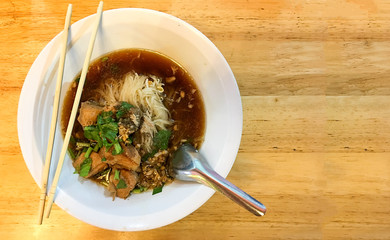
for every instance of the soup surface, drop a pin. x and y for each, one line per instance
(136, 108)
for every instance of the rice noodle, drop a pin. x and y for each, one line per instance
(144, 92)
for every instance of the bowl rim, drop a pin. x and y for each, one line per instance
(26, 128)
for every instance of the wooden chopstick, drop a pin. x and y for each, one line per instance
(74, 110)
(49, 150)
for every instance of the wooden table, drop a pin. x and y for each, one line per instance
(315, 84)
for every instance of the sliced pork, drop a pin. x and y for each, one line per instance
(89, 112)
(122, 189)
(97, 164)
(129, 159)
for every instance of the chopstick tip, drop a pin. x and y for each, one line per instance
(70, 6)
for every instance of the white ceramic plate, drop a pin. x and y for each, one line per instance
(131, 28)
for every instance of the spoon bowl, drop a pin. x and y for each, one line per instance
(189, 165)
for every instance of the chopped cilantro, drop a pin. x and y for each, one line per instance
(71, 153)
(104, 59)
(96, 148)
(108, 128)
(85, 167)
(88, 153)
(104, 159)
(104, 133)
(108, 131)
(158, 189)
(123, 109)
(92, 133)
(161, 139)
(120, 113)
(148, 155)
(116, 177)
(121, 184)
(126, 105)
(160, 142)
(104, 117)
(117, 149)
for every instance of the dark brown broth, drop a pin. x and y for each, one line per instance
(188, 113)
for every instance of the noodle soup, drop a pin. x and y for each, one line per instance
(137, 107)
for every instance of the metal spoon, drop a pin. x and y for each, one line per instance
(188, 165)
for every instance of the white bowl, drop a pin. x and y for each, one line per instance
(131, 28)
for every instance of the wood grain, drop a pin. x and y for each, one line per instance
(314, 80)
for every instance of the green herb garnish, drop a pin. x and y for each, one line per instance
(117, 149)
(104, 118)
(158, 189)
(104, 133)
(116, 177)
(123, 109)
(71, 153)
(104, 59)
(160, 142)
(139, 189)
(108, 128)
(92, 133)
(148, 155)
(121, 184)
(96, 148)
(72, 140)
(88, 153)
(104, 159)
(85, 167)
(161, 139)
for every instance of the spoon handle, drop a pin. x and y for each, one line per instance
(212, 179)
